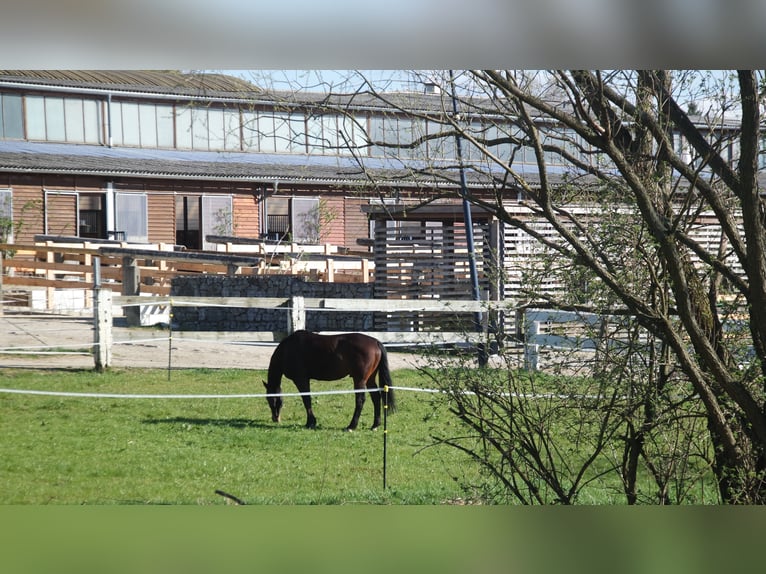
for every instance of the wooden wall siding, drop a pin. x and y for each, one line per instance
(524, 257)
(162, 217)
(58, 182)
(523, 263)
(426, 260)
(333, 231)
(28, 213)
(29, 202)
(357, 222)
(246, 216)
(61, 214)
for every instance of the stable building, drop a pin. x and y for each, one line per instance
(171, 157)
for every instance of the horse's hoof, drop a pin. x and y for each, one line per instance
(349, 429)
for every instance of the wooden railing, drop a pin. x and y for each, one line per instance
(296, 307)
(150, 269)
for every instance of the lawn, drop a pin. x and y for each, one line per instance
(120, 451)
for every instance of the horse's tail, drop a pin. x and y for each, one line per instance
(384, 379)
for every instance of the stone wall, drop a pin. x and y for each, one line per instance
(245, 319)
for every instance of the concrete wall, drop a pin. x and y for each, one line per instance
(243, 319)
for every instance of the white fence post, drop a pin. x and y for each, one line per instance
(297, 314)
(102, 332)
(531, 350)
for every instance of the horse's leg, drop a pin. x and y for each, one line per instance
(304, 386)
(359, 385)
(376, 401)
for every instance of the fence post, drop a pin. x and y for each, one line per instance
(50, 275)
(102, 332)
(297, 314)
(131, 284)
(531, 349)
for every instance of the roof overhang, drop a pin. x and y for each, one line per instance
(113, 162)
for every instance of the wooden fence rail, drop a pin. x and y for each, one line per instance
(129, 270)
(296, 307)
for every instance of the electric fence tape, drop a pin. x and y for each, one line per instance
(267, 395)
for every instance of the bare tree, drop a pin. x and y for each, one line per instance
(640, 209)
(623, 139)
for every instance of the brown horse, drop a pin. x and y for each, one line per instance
(304, 355)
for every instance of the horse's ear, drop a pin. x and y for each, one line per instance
(264, 383)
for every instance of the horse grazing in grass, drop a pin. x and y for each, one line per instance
(304, 355)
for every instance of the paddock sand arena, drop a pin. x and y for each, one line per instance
(34, 340)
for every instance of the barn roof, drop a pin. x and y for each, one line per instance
(147, 81)
(54, 158)
(212, 86)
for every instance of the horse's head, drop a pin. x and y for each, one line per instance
(275, 402)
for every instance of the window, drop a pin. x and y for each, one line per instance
(129, 130)
(315, 132)
(74, 124)
(55, 122)
(92, 216)
(188, 221)
(143, 125)
(165, 126)
(200, 129)
(199, 216)
(216, 129)
(11, 125)
(131, 216)
(304, 220)
(251, 135)
(206, 128)
(354, 134)
(91, 110)
(216, 217)
(72, 120)
(147, 124)
(293, 219)
(231, 134)
(35, 116)
(408, 131)
(183, 128)
(288, 133)
(440, 147)
(377, 134)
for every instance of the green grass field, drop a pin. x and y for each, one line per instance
(117, 451)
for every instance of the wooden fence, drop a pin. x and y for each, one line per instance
(52, 266)
(297, 307)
